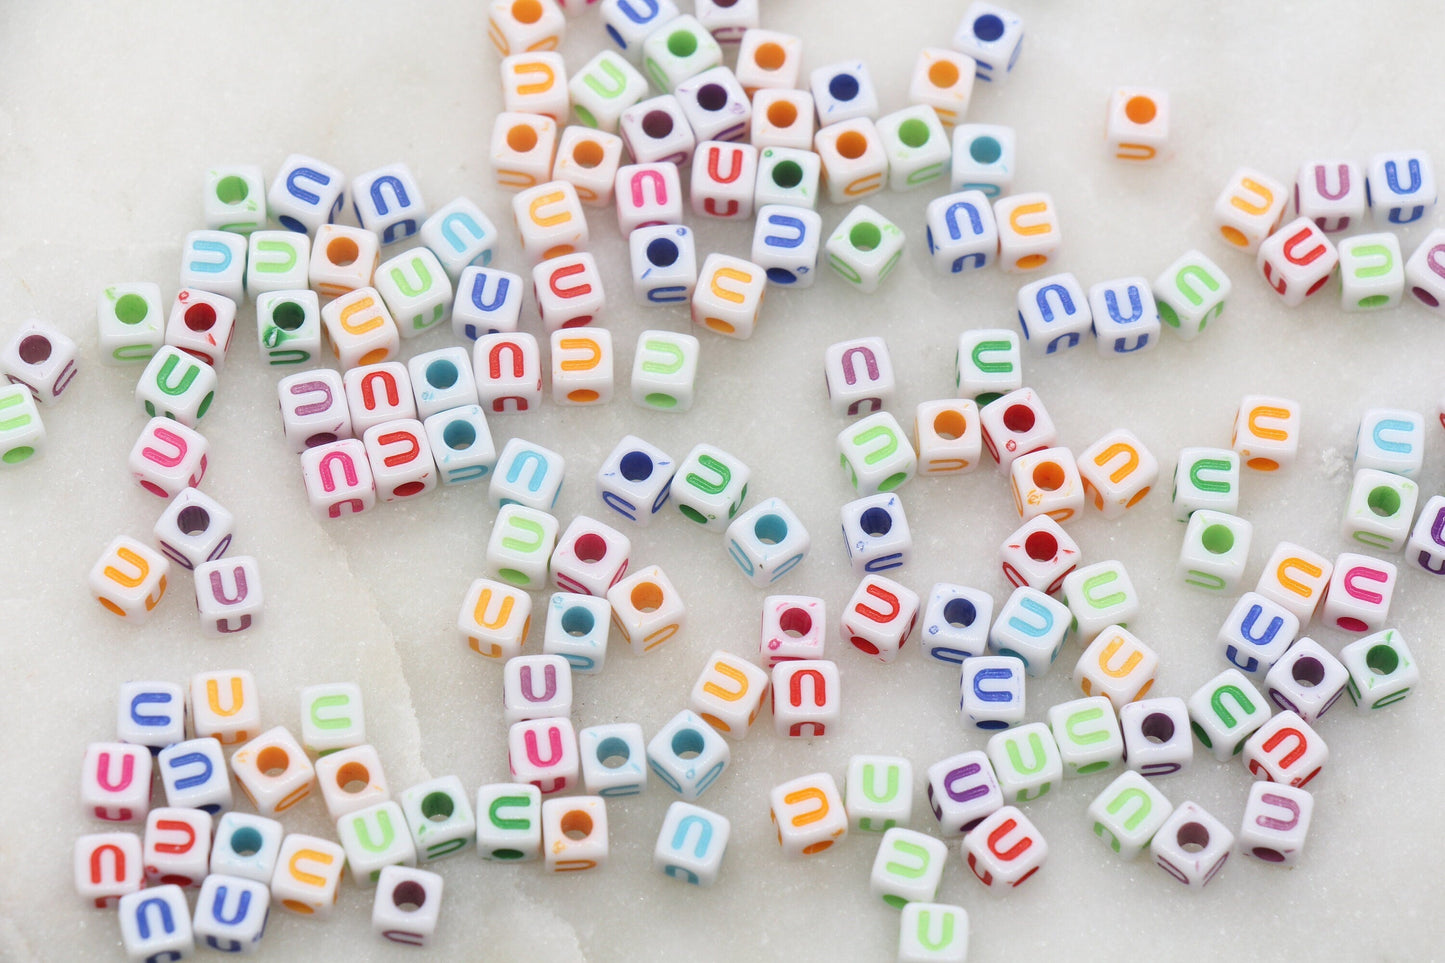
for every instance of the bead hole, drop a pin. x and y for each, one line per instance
(636, 466)
(576, 824)
(246, 841)
(34, 349)
(232, 189)
(590, 547)
(988, 27)
(913, 132)
(1217, 539)
(200, 316)
(771, 529)
(131, 309)
(770, 56)
(795, 622)
(985, 150)
(578, 621)
(613, 752)
(353, 777)
(1157, 727)
(876, 521)
(1140, 110)
(342, 251)
(1041, 546)
(1382, 659)
(193, 520)
(1019, 418)
(782, 113)
(1049, 476)
(588, 154)
(843, 87)
(687, 744)
(647, 597)
(950, 425)
(522, 138)
(273, 761)
(526, 11)
(1308, 671)
(288, 315)
(682, 43)
(943, 74)
(662, 252)
(712, 97)
(1192, 837)
(788, 174)
(959, 613)
(865, 236)
(459, 435)
(441, 374)
(438, 806)
(409, 896)
(1384, 501)
(852, 144)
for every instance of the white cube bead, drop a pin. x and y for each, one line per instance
(956, 621)
(519, 549)
(332, 717)
(509, 822)
(1426, 547)
(225, 704)
(1005, 849)
(400, 457)
(1205, 478)
(488, 301)
(724, 180)
(1191, 846)
(231, 913)
(729, 693)
(879, 617)
(1031, 627)
(1425, 271)
(858, 373)
(1225, 712)
(614, 759)
(1047, 482)
(130, 321)
(664, 369)
(494, 619)
(991, 691)
(338, 478)
(273, 771)
(574, 833)
(375, 837)
(155, 924)
(1256, 633)
(1190, 293)
(1026, 761)
(942, 80)
(308, 875)
(729, 296)
(1039, 554)
(789, 176)
(635, 479)
(1128, 813)
(806, 698)
(808, 814)
(664, 264)
(314, 409)
(440, 818)
(1400, 187)
(168, 457)
(948, 436)
(536, 687)
(194, 774)
(843, 91)
(550, 220)
(461, 236)
(717, 109)
(407, 905)
(129, 579)
(1118, 666)
(793, 627)
(288, 327)
(1266, 432)
(1379, 509)
(918, 148)
(228, 594)
(42, 358)
(1121, 329)
(1015, 424)
(767, 541)
(878, 793)
(908, 867)
(416, 289)
(543, 752)
(1088, 736)
(214, 261)
(1215, 551)
(984, 159)
(691, 843)
(603, 88)
(1307, 680)
(992, 36)
(1157, 739)
(1285, 750)
(361, 328)
(677, 50)
(628, 24)
(522, 149)
(1100, 595)
(1249, 208)
(876, 453)
(1297, 261)
(441, 380)
(569, 291)
(1296, 578)
(962, 790)
(277, 261)
(782, 117)
(590, 557)
(107, 867)
(177, 386)
(1382, 670)
(656, 132)
(875, 532)
(115, 783)
(710, 487)
(646, 609)
(507, 368)
(1276, 823)
(688, 755)
(306, 194)
(388, 201)
(1331, 193)
(527, 474)
(1359, 593)
(1118, 471)
(343, 259)
(853, 159)
(960, 232)
(987, 364)
(932, 933)
(1372, 272)
(1391, 440)
(22, 435)
(786, 241)
(1138, 125)
(769, 60)
(151, 714)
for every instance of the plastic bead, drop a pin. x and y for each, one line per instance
(306, 194)
(664, 263)
(400, 457)
(1005, 849)
(1023, 779)
(635, 479)
(908, 867)
(603, 89)
(151, 714)
(246, 846)
(1205, 478)
(536, 687)
(1138, 124)
(536, 83)
(115, 783)
(1296, 578)
(1297, 260)
(984, 159)
(783, 118)
(806, 698)
(1225, 712)
(688, 755)
(1117, 472)
(1256, 633)
(518, 25)
(416, 289)
(1285, 750)
(277, 261)
(878, 793)
(1372, 276)
(388, 201)
(918, 148)
(543, 752)
(1306, 680)
(550, 220)
(576, 629)
(488, 301)
(728, 20)
(1276, 823)
(1331, 193)
(225, 705)
(129, 579)
(942, 80)
(646, 609)
(1191, 846)
(461, 236)
(858, 373)
(228, 594)
(273, 771)
(724, 180)
(955, 624)
(22, 434)
(1382, 670)
(442, 380)
(729, 296)
(992, 37)
(175, 385)
(1088, 736)
(379, 393)
(507, 368)
(1249, 208)
(1400, 187)
(769, 60)
(343, 260)
(308, 875)
(338, 478)
(948, 436)
(288, 327)
(628, 23)
(568, 290)
(1190, 293)
(107, 867)
(793, 627)
(987, 364)
(1215, 551)
(1039, 554)
(710, 486)
(1119, 329)
(960, 232)
(155, 924)
(509, 822)
(767, 541)
(231, 913)
(962, 791)
(1031, 627)
(407, 905)
(194, 775)
(42, 358)
(728, 694)
(1426, 547)
(1100, 595)
(332, 717)
(130, 323)
(375, 837)
(1266, 432)
(875, 533)
(876, 454)
(494, 619)
(843, 92)
(786, 241)
(1391, 440)
(1359, 593)
(214, 261)
(1047, 482)
(574, 833)
(932, 933)
(361, 328)
(788, 176)
(1118, 666)
(614, 759)
(589, 557)
(1156, 736)
(1016, 424)
(717, 109)
(692, 856)
(680, 49)
(527, 474)
(1128, 813)
(992, 691)
(664, 369)
(168, 457)
(879, 617)
(808, 814)
(1425, 271)
(853, 159)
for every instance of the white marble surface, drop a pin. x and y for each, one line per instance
(109, 115)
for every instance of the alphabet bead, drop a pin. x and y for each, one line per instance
(808, 814)
(942, 80)
(543, 752)
(194, 775)
(729, 296)
(932, 932)
(308, 874)
(1359, 593)
(168, 457)
(629, 23)
(41, 358)
(550, 220)
(955, 624)
(509, 822)
(1297, 260)
(1031, 627)
(115, 783)
(1100, 595)
(576, 629)
(589, 557)
(767, 541)
(1382, 670)
(1117, 665)
(1088, 736)
(853, 159)
(536, 687)
(527, 474)
(783, 118)
(288, 327)
(416, 289)
(488, 301)
(1391, 440)
(710, 486)
(494, 619)
(400, 457)
(1372, 273)
(574, 833)
(724, 180)
(797, 713)
(1156, 735)
(388, 202)
(858, 373)
(879, 617)
(786, 241)
(523, 147)
(273, 771)
(582, 366)
(948, 436)
(648, 194)
(314, 408)
(664, 263)
(375, 837)
(1022, 779)
(306, 194)
(664, 368)
(728, 20)
(235, 722)
(277, 261)
(214, 261)
(228, 594)
(1117, 472)
(1249, 208)
(525, 25)
(1400, 187)
(1306, 680)
(692, 856)
(1191, 846)
(768, 60)
(875, 533)
(1005, 849)
(917, 146)
(992, 691)
(508, 371)
(688, 755)
(728, 694)
(1205, 478)
(1128, 813)
(343, 259)
(793, 627)
(992, 37)
(440, 380)
(1285, 750)
(1256, 633)
(1296, 578)
(842, 92)
(1425, 271)
(1047, 482)
(151, 714)
(332, 717)
(1225, 712)
(246, 846)
(231, 913)
(603, 89)
(656, 132)
(636, 478)
(1426, 547)
(984, 159)
(987, 364)
(1138, 125)
(876, 454)
(717, 109)
(646, 609)
(1016, 424)
(1266, 432)
(680, 49)
(107, 866)
(407, 905)
(129, 579)
(202, 324)
(789, 176)
(460, 236)
(361, 328)
(908, 867)
(1039, 554)
(338, 478)
(1215, 551)
(1276, 822)
(568, 291)
(235, 199)
(962, 790)
(1190, 293)
(1119, 329)
(961, 232)
(878, 793)
(175, 385)
(614, 759)
(130, 323)
(1332, 207)
(155, 924)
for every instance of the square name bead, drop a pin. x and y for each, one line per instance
(388, 202)
(194, 775)
(729, 296)
(228, 594)
(635, 479)
(155, 924)
(338, 478)
(1225, 712)
(806, 698)
(1392, 440)
(460, 235)
(360, 328)
(1190, 293)
(1031, 627)
(273, 771)
(614, 759)
(1297, 261)
(214, 261)
(962, 790)
(710, 486)
(520, 546)
(786, 242)
(576, 629)
(1117, 665)
(629, 23)
(688, 755)
(691, 844)
(1026, 760)
(574, 833)
(1191, 846)
(853, 159)
(656, 132)
(1138, 125)
(407, 905)
(522, 149)
(1126, 319)
(151, 714)
(515, 26)
(536, 687)
(590, 557)
(130, 321)
(1400, 187)
(680, 49)
(729, 693)
(1382, 670)
(231, 913)
(664, 369)
(378, 393)
(375, 837)
(1117, 471)
(177, 386)
(314, 409)
(788, 175)
(767, 541)
(843, 91)
(1100, 595)
(876, 454)
(1205, 478)
(1256, 633)
(932, 933)
(724, 180)
(859, 376)
(1128, 813)
(879, 617)
(550, 220)
(793, 627)
(1330, 193)
(603, 89)
(308, 874)
(342, 259)
(507, 368)
(664, 264)
(306, 194)
(416, 290)
(1359, 593)
(543, 753)
(878, 793)
(568, 290)
(42, 358)
(1425, 271)
(129, 579)
(942, 80)
(1054, 313)
(875, 533)
(1249, 208)
(488, 301)
(288, 327)
(1215, 551)
(1296, 578)
(495, 618)
(1426, 547)
(1047, 482)
(783, 118)
(1307, 680)
(717, 108)
(509, 822)
(984, 159)
(955, 623)
(115, 782)
(168, 457)
(992, 36)
(1088, 736)
(1039, 554)
(808, 814)
(992, 692)
(527, 474)
(1016, 424)
(768, 60)
(1157, 739)
(646, 609)
(918, 148)
(277, 261)
(442, 380)
(960, 232)
(947, 436)
(987, 365)
(1276, 823)
(1266, 432)
(1004, 850)
(400, 457)
(908, 867)
(1285, 750)
(332, 717)
(107, 867)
